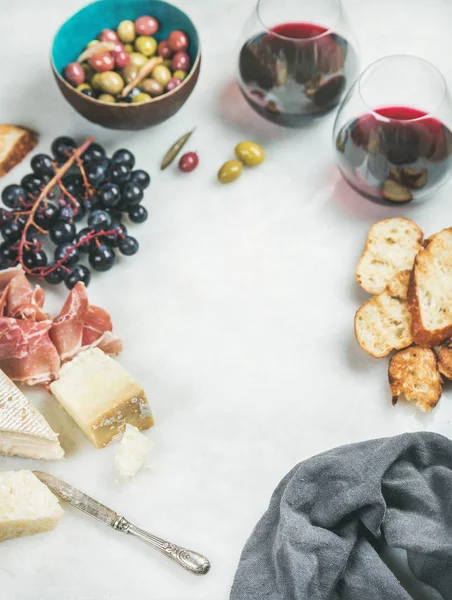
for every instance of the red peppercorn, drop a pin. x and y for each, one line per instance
(188, 162)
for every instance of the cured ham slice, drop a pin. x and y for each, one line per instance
(32, 346)
(22, 302)
(12, 340)
(97, 332)
(41, 362)
(108, 342)
(97, 321)
(67, 329)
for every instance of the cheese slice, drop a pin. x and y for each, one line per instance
(101, 396)
(27, 506)
(23, 430)
(132, 452)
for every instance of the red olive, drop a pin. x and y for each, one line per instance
(102, 61)
(164, 50)
(177, 40)
(172, 83)
(122, 59)
(188, 162)
(146, 25)
(181, 61)
(108, 35)
(74, 73)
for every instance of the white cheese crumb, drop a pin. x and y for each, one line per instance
(132, 452)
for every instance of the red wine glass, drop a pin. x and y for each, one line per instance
(393, 131)
(297, 59)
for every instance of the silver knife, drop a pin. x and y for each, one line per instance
(189, 560)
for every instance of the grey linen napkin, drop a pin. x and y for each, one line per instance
(319, 538)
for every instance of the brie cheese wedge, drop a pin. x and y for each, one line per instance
(132, 452)
(101, 396)
(23, 430)
(27, 506)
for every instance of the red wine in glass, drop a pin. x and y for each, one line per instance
(394, 153)
(294, 71)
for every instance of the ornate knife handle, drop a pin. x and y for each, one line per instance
(189, 560)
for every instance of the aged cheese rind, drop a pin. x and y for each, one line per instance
(23, 430)
(101, 396)
(27, 506)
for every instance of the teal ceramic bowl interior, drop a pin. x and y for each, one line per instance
(85, 25)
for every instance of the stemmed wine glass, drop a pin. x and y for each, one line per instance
(297, 59)
(393, 131)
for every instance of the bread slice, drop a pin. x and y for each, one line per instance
(391, 247)
(413, 373)
(445, 359)
(430, 291)
(383, 323)
(15, 143)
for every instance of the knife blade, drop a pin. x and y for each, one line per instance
(72, 496)
(188, 559)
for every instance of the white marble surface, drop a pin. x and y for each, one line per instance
(237, 314)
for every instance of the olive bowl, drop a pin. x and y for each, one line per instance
(86, 25)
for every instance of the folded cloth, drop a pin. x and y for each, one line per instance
(318, 539)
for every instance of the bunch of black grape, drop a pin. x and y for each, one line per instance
(109, 189)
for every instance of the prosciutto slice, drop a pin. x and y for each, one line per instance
(22, 302)
(12, 340)
(67, 329)
(97, 331)
(32, 346)
(41, 362)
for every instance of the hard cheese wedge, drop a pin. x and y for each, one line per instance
(23, 430)
(101, 396)
(27, 506)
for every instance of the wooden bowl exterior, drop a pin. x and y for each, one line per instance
(130, 116)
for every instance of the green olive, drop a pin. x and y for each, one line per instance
(230, 171)
(129, 73)
(141, 97)
(151, 87)
(92, 43)
(250, 153)
(95, 82)
(161, 74)
(126, 31)
(128, 48)
(89, 71)
(107, 98)
(111, 82)
(180, 74)
(84, 86)
(146, 45)
(137, 59)
(168, 63)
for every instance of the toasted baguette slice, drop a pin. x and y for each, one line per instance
(413, 373)
(383, 323)
(430, 291)
(445, 360)
(391, 246)
(15, 143)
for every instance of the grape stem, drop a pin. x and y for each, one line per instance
(56, 179)
(91, 235)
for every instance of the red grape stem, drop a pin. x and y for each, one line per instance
(91, 235)
(56, 179)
